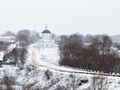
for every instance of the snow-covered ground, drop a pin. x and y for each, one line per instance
(50, 55)
(106, 83)
(42, 72)
(49, 61)
(1, 55)
(38, 78)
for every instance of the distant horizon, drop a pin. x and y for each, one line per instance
(39, 31)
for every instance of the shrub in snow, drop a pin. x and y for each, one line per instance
(30, 67)
(7, 82)
(48, 74)
(16, 57)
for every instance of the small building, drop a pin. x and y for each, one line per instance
(10, 39)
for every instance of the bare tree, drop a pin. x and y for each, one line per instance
(4, 45)
(70, 48)
(98, 55)
(7, 82)
(26, 37)
(103, 43)
(107, 56)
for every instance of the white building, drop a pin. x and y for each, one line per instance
(47, 40)
(10, 39)
(48, 47)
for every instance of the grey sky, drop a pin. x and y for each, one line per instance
(62, 16)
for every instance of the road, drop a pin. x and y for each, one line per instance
(49, 65)
(41, 63)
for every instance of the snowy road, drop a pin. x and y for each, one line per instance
(48, 65)
(36, 61)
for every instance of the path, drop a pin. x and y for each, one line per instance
(41, 63)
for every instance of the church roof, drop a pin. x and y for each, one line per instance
(46, 31)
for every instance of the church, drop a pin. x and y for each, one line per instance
(48, 46)
(47, 39)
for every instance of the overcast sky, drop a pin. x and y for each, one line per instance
(61, 16)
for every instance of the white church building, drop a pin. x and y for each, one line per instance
(47, 40)
(48, 47)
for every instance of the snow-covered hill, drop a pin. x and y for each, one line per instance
(34, 78)
(41, 74)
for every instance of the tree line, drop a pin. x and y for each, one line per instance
(98, 54)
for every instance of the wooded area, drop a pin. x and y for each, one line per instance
(99, 54)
